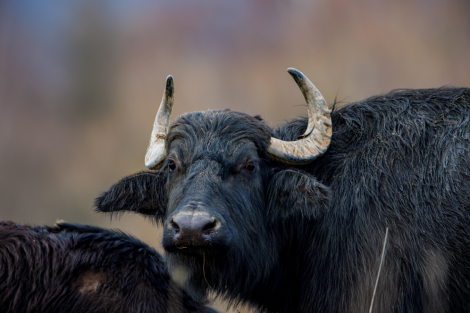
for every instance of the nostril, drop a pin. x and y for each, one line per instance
(196, 229)
(209, 227)
(175, 226)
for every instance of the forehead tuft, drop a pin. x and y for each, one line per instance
(219, 129)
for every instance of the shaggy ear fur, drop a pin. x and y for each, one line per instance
(142, 193)
(295, 193)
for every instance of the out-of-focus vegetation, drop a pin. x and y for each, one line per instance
(80, 81)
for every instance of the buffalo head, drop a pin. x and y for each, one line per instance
(224, 184)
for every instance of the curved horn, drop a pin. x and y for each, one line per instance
(317, 136)
(156, 152)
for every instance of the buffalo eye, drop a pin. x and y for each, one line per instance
(171, 166)
(250, 166)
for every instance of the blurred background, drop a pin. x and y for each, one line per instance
(81, 81)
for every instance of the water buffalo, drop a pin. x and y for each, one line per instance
(76, 268)
(293, 219)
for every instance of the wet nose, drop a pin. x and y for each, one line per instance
(193, 229)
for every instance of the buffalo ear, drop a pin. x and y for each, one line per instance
(142, 193)
(295, 193)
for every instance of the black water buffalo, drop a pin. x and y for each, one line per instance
(76, 268)
(293, 219)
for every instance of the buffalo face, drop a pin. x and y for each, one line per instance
(216, 170)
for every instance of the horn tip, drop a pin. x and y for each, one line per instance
(169, 81)
(170, 86)
(294, 71)
(296, 74)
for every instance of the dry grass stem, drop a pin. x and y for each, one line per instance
(203, 268)
(380, 269)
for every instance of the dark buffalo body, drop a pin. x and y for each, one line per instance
(308, 238)
(76, 268)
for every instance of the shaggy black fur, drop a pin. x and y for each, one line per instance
(309, 238)
(76, 268)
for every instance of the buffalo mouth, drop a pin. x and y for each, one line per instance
(208, 250)
(191, 246)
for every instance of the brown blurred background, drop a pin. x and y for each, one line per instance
(81, 81)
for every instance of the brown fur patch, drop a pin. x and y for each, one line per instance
(89, 281)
